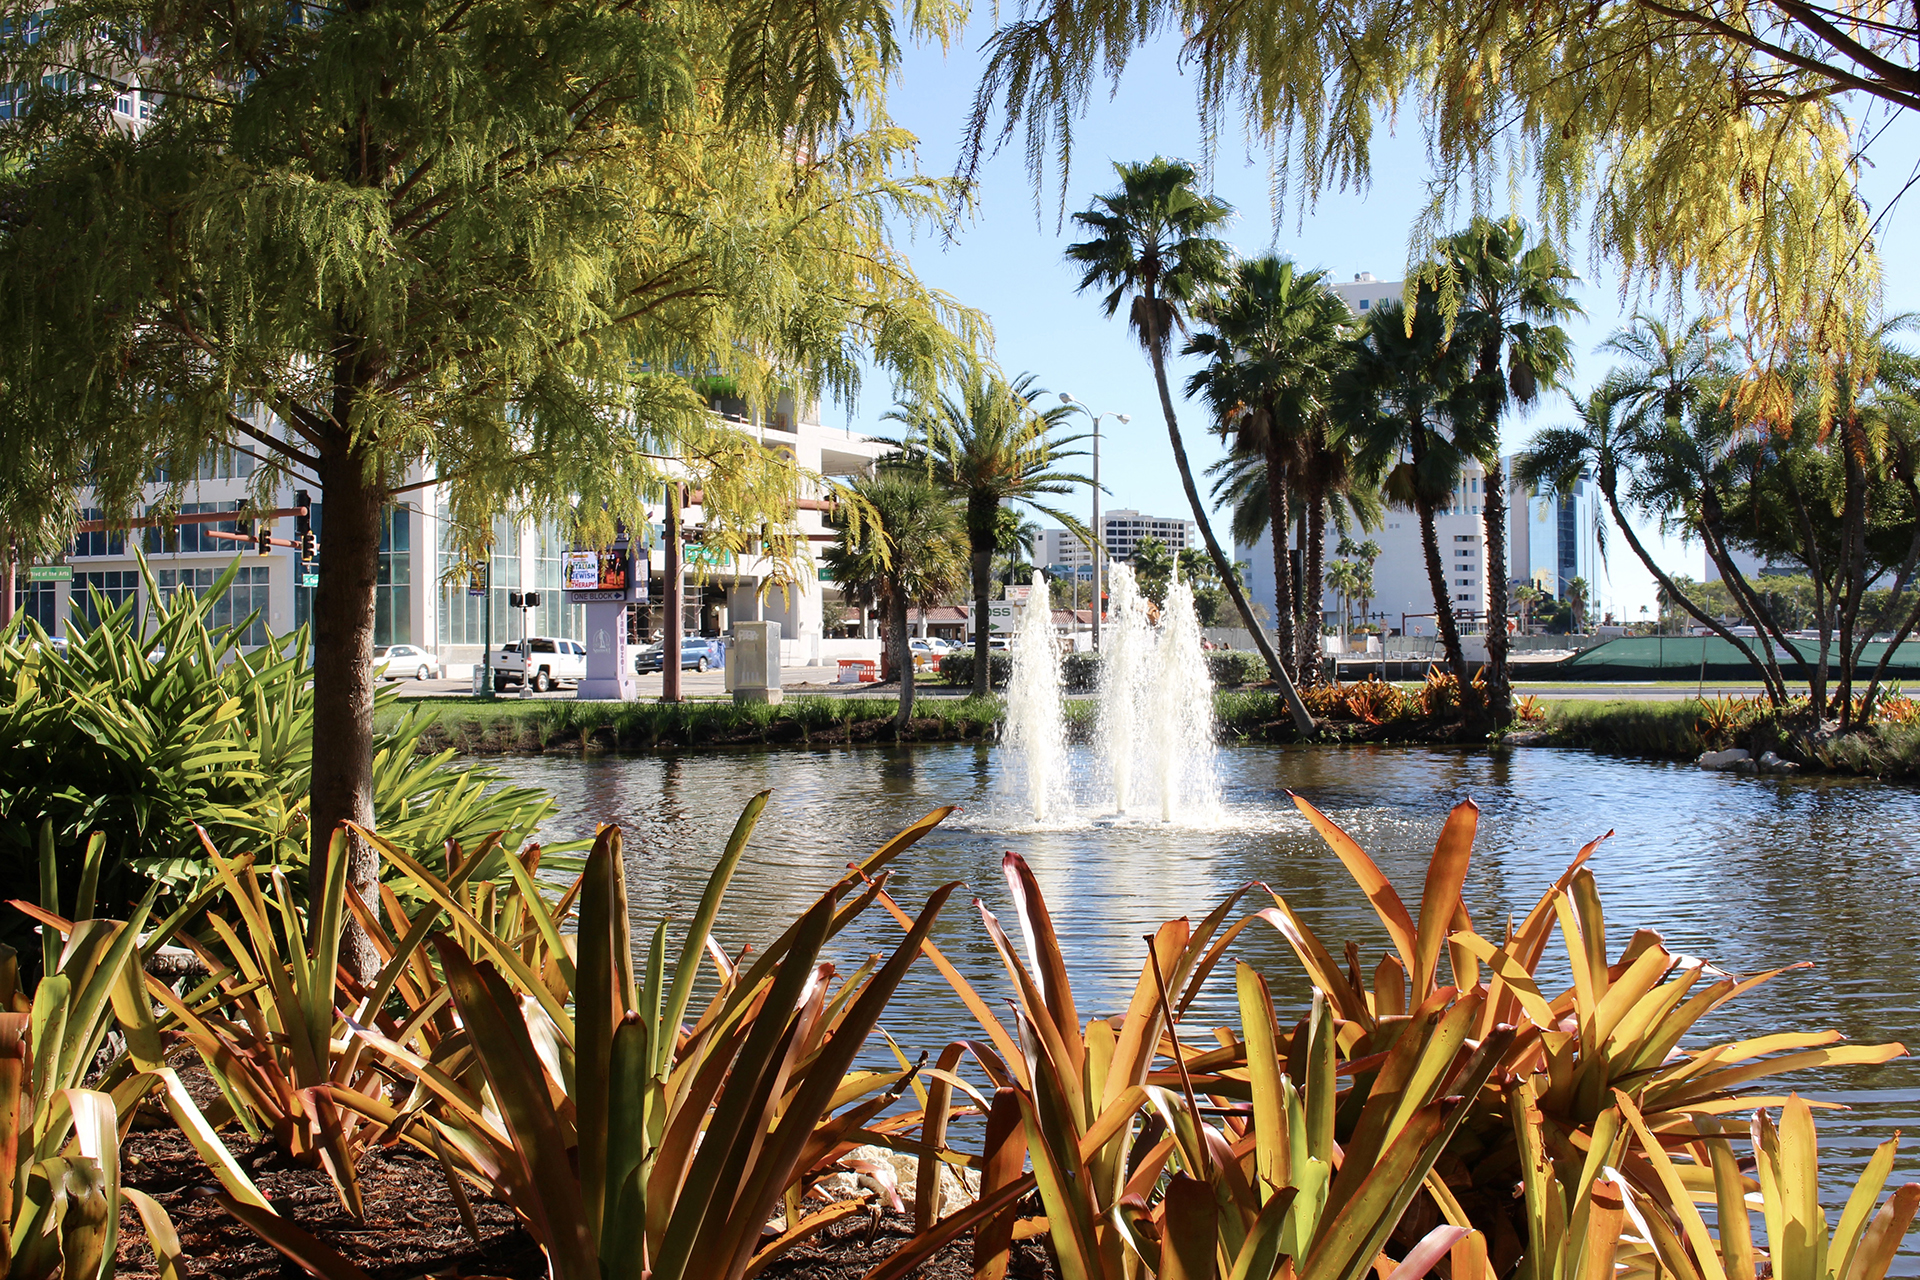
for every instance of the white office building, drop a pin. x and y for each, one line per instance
(422, 598)
(1125, 528)
(1363, 293)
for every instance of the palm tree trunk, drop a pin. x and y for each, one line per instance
(1443, 612)
(1302, 719)
(1679, 597)
(1282, 563)
(1313, 571)
(982, 589)
(1494, 513)
(903, 647)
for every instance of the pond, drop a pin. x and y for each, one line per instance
(1749, 873)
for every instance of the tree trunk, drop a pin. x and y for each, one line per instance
(1443, 612)
(1302, 720)
(1313, 573)
(904, 648)
(1282, 522)
(1677, 596)
(1493, 512)
(8, 585)
(982, 653)
(343, 606)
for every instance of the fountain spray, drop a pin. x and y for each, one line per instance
(1036, 737)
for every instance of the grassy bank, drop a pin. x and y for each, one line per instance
(1683, 730)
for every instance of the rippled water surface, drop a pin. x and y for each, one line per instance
(1751, 874)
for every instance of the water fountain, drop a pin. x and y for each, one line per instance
(1179, 738)
(1126, 666)
(1035, 739)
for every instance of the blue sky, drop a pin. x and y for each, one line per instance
(1008, 262)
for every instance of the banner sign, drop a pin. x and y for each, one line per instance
(49, 573)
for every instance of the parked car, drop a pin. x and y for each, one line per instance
(398, 661)
(543, 663)
(696, 654)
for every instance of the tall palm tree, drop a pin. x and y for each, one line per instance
(907, 553)
(1513, 298)
(1273, 339)
(993, 447)
(1152, 241)
(1399, 400)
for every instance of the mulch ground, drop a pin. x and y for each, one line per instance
(413, 1227)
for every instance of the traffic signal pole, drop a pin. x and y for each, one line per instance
(673, 605)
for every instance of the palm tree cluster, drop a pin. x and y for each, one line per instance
(1783, 470)
(942, 515)
(1328, 418)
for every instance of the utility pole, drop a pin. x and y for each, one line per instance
(674, 604)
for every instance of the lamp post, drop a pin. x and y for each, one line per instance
(1099, 534)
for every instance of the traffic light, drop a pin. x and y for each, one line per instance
(265, 536)
(309, 545)
(515, 600)
(242, 522)
(302, 516)
(533, 599)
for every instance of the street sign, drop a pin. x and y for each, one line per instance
(309, 579)
(49, 573)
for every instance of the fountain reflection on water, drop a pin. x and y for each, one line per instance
(1155, 750)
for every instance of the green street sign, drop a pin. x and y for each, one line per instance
(309, 579)
(49, 573)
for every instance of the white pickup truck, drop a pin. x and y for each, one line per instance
(541, 661)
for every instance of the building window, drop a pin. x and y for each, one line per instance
(37, 600)
(462, 616)
(112, 542)
(393, 583)
(193, 539)
(1365, 303)
(244, 605)
(114, 588)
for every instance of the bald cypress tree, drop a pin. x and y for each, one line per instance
(503, 244)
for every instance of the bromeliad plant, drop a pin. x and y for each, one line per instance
(1211, 1162)
(628, 1141)
(1614, 1033)
(60, 1191)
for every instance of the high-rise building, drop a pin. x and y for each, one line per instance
(1555, 537)
(1363, 293)
(1125, 528)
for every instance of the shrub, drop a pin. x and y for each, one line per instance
(1374, 701)
(1081, 672)
(141, 734)
(1234, 667)
(957, 668)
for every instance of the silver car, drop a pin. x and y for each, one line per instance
(398, 661)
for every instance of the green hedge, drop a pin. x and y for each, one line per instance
(1233, 667)
(957, 668)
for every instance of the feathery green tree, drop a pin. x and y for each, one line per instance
(1715, 144)
(489, 242)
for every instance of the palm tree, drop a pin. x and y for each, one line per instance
(1273, 340)
(994, 448)
(1578, 593)
(1152, 241)
(1153, 567)
(1618, 451)
(906, 553)
(1512, 300)
(1398, 401)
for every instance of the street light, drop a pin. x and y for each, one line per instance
(1099, 534)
